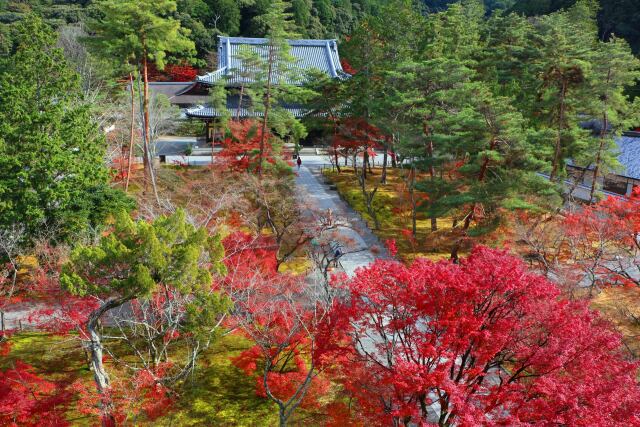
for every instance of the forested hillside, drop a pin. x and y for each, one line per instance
(206, 19)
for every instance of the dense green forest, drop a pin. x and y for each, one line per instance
(206, 19)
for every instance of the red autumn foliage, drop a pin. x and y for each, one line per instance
(281, 317)
(54, 309)
(341, 415)
(131, 397)
(246, 255)
(356, 135)
(28, 400)
(392, 247)
(240, 151)
(346, 66)
(283, 384)
(172, 73)
(604, 241)
(480, 343)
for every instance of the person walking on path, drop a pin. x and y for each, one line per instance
(299, 162)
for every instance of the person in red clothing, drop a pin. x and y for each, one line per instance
(299, 162)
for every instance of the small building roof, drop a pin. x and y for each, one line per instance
(321, 55)
(629, 155)
(179, 92)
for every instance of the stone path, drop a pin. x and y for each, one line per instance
(319, 196)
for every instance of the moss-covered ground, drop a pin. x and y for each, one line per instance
(218, 394)
(393, 208)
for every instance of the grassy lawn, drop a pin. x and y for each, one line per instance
(218, 394)
(620, 305)
(393, 209)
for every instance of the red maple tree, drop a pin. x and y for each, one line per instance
(281, 315)
(182, 72)
(29, 400)
(480, 343)
(240, 150)
(355, 137)
(604, 242)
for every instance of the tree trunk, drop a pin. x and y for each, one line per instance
(414, 207)
(145, 142)
(267, 105)
(556, 155)
(385, 157)
(368, 197)
(603, 135)
(239, 109)
(148, 165)
(458, 242)
(100, 375)
(467, 221)
(335, 148)
(213, 143)
(131, 134)
(596, 169)
(432, 172)
(365, 162)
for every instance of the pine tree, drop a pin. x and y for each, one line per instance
(137, 260)
(275, 81)
(495, 165)
(565, 40)
(435, 84)
(136, 32)
(614, 68)
(506, 64)
(389, 106)
(52, 176)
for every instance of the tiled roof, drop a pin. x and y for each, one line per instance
(321, 55)
(201, 112)
(233, 100)
(629, 157)
(178, 92)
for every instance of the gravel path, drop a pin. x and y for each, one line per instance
(363, 244)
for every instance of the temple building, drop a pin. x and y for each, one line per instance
(616, 183)
(320, 55)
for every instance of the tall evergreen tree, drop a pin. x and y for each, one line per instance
(565, 40)
(388, 107)
(275, 81)
(494, 167)
(613, 69)
(506, 65)
(434, 84)
(136, 32)
(52, 175)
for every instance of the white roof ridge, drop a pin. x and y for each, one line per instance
(263, 40)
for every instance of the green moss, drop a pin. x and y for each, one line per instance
(393, 211)
(221, 394)
(217, 394)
